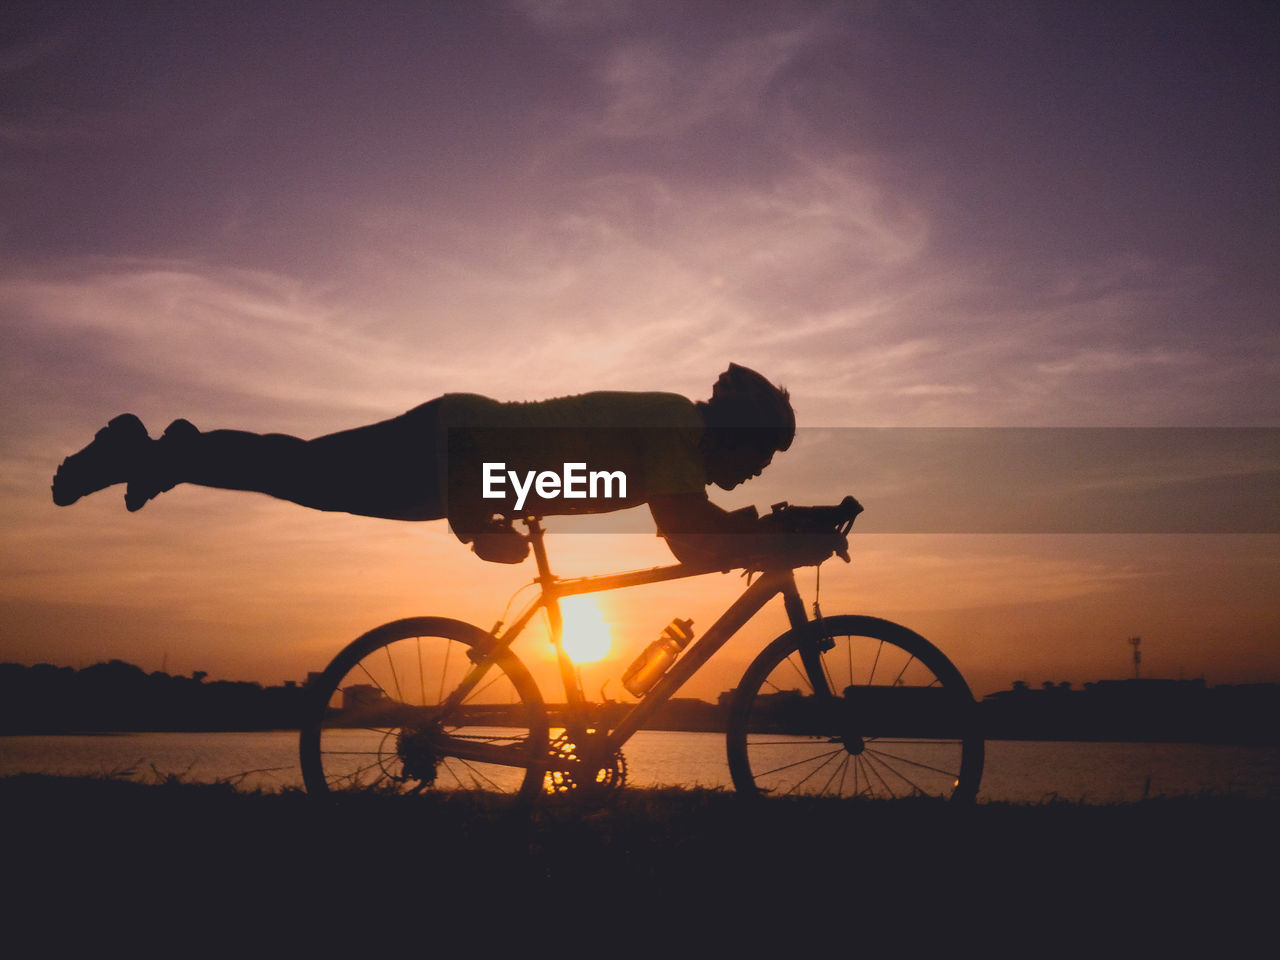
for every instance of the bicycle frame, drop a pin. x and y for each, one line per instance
(919, 732)
(769, 584)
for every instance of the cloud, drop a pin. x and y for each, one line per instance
(727, 226)
(571, 17)
(656, 93)
(215, 339)
(1089, 361)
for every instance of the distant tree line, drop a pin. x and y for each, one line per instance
(1135, 710)
(120, 696)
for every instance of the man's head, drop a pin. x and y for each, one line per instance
(748, 420)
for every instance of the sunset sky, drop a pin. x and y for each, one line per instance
(302, 217)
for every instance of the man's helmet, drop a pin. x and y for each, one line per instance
(743, 400)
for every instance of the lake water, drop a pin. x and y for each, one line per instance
(1020, 772)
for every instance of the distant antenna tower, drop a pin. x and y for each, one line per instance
(1137, 656)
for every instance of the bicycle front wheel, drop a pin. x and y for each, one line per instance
(853, 706)
(379, 717)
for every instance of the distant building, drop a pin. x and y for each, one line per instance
(360, 696)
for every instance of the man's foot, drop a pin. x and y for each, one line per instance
(111, 458)
(156, 472)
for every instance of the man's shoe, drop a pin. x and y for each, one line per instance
(156, 473)
(111, 458)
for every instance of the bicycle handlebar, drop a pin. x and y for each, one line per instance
(794, 536)
(815, 532)
(832, 519)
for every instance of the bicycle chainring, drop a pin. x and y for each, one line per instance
(569, 772)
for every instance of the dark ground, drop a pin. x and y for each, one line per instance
(641, 871)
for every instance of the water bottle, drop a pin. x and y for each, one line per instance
(657, 657)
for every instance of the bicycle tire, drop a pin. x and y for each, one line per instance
(878, 711)
(372, 720)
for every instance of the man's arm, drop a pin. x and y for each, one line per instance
(700, 533)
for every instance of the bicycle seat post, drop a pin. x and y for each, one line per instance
(576, 720)
(545, 577)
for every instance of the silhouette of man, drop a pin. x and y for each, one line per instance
(467, 458)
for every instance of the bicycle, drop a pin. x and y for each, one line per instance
(844, 705)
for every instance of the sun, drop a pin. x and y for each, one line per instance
(586, 635)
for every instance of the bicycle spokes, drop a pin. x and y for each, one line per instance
(854, 715)
(383, 719)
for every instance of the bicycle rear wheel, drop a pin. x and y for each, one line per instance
(854, 706)
(375, 718)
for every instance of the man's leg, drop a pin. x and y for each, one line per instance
(386, 469)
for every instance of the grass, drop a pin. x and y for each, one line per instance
(113, 843)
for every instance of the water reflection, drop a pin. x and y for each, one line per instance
(1016, 771)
